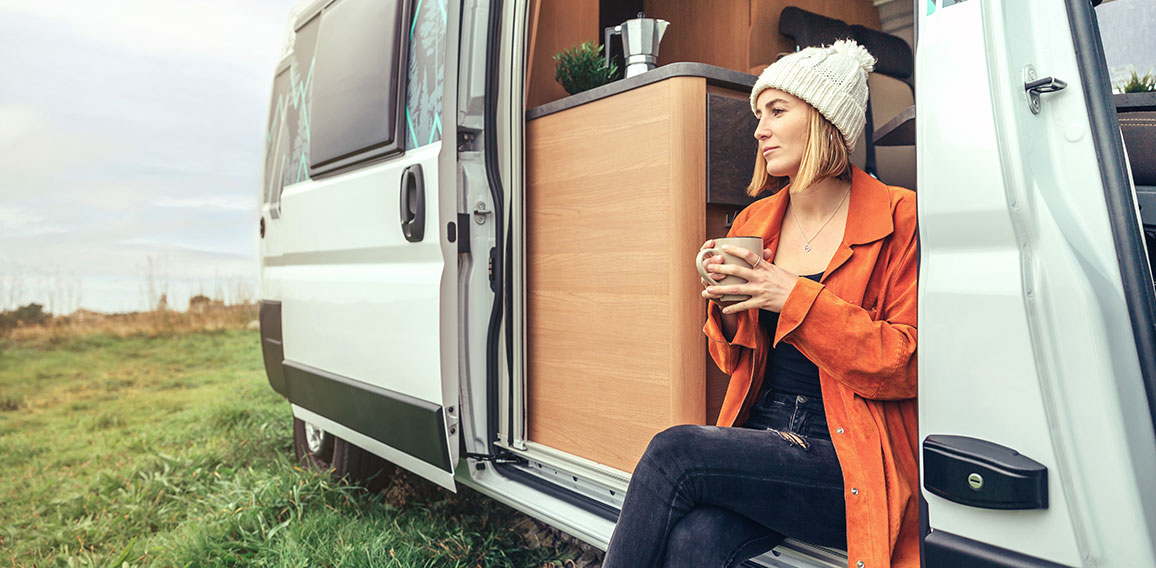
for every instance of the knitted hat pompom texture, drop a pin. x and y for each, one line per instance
(833, 79)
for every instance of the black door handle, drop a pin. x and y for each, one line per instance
(412, 204)
(982, 474)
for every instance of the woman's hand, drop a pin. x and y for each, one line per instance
(707, 263)
(767, 285)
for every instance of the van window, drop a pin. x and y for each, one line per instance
(287, 137)
(357, 85)
(427, 47)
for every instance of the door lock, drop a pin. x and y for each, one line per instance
(1034, 86)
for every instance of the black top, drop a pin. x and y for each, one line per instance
(788, 370)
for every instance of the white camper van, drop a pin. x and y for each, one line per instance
(437, 216)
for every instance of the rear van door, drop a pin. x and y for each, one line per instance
(1036, 300)
(359, 229)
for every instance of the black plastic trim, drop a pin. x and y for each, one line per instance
(1135, 274)
(946, 550)
(272, 349)
(413, 204)
(407, 424)
(497, 256)
(1007, 479)
(578, 500)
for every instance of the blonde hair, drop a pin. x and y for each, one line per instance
(826, 155)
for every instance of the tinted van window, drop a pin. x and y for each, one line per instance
(357, 85)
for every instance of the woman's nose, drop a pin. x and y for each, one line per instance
(762, 132)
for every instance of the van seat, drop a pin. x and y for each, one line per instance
(891, 91)
(810, 29)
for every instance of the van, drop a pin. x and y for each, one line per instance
(474, 275)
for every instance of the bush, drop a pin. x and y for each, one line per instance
(29, 315)
(582, 68)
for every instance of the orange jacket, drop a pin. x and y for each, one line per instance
(857, 324)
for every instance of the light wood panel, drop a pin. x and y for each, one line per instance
(557, 25)
(711, 31)
(615, 216)
(741, 34)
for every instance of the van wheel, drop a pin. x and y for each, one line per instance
(321, 451)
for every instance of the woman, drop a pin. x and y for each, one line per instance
(821, 356)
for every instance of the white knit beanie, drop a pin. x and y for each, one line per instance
(833, 79)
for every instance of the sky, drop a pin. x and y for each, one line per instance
(131, 134)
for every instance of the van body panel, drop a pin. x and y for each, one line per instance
(368, 316)
(1023, 316)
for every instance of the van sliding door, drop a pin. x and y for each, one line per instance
(367, 266)
(1035, 335)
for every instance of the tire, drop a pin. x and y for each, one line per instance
(322, 451)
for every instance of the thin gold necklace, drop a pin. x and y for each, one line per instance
(806, 241)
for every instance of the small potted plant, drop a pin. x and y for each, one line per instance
(1137, 83)
(582, 68)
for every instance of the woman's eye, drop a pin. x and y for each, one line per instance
(777, 111)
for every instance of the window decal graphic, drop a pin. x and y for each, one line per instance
(426, 69)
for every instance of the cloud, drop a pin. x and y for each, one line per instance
(18, 222)
(232, 203)
(236, 32)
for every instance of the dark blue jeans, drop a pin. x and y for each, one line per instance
(710, 497)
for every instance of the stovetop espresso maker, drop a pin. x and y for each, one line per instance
(640, 39)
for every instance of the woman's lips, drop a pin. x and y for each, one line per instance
(769, 150)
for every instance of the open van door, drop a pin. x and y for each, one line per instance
(1036, 300)
(359, 258)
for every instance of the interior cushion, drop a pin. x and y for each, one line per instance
(809, 29)
(893, 56)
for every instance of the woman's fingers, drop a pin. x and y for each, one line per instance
(742, 306)
(742, 253)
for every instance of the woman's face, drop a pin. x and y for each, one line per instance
(784, 121)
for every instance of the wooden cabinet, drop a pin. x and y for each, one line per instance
(616, 211)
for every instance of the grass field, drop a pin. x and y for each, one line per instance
(173, 451)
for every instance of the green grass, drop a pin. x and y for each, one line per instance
(174, 451)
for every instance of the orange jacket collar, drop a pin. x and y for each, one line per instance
(868, 217)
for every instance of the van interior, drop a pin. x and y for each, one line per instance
(624, 182)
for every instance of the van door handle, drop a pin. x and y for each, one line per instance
(412, 204)
(978, 473)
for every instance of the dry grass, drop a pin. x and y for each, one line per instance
(214, 316)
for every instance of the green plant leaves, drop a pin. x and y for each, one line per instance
(582, 68)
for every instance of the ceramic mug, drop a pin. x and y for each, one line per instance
(753, 244)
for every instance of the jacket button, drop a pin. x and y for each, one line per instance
(854, 491)
(840, 430)
(859, 564)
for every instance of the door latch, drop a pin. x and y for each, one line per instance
(1034, 86)
(480, 212)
